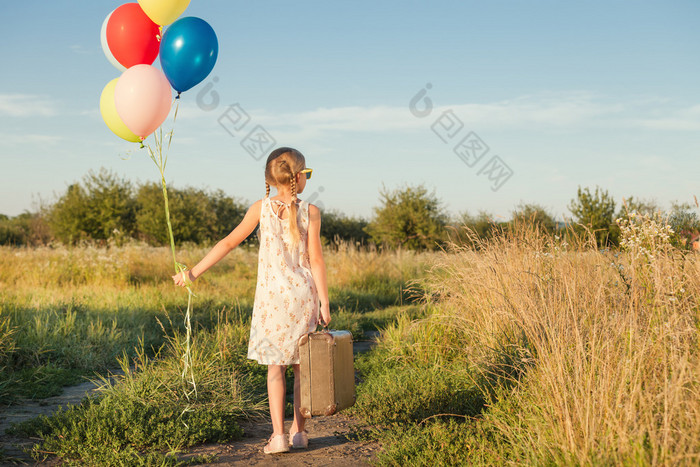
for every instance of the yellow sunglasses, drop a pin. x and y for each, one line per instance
(308, 172)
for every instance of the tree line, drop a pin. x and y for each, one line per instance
(106, 209)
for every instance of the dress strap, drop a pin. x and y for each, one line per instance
(282, 206)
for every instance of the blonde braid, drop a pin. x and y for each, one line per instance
(293, 225)
(267, 189)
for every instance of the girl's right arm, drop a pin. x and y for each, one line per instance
(318, 265)
(221, 249)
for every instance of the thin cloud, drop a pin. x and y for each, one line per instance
(521, 113)
(557, 111)
(687, 119)
(14, 139)
(577, 111)
(93, 112)
(80, 50)
(26, 105)
(377, 118)
(667, 124)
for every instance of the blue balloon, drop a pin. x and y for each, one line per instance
(188, 52)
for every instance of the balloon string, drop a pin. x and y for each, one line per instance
(170, 139)
(160, 161)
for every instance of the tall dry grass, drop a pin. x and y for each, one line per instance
(601, 347)
(59, 273)
(367, 278)
(68, 268)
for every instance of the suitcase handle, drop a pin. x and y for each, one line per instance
(321, 325)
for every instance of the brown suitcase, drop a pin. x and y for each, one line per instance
(327, 372)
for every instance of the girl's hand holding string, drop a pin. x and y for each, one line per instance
(221, 249)
(183, 278)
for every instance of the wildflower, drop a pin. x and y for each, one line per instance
(643, 235)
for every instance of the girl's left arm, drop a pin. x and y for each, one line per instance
(318, 265)
(221, 249)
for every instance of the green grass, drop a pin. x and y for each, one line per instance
(58, 344)
(407, 394)
(358, 323)
(445, 441)
(67, 314)
(150, 411)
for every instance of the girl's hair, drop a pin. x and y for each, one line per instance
(281, 169)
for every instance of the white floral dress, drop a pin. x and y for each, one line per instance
(286, 300)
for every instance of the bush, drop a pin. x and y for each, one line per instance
(9, 233)
(229, 213)
(595, 211)
(337, 228)
(27, 229)
(99, 208)
(536, 215)
(468, 229)
(408, 218)
(640, 206)
(685, 222)
(105, 207)
(196, 215)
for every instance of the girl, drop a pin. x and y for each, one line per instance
(291, 283)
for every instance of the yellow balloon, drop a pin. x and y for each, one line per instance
(109, 114)
(164, 12)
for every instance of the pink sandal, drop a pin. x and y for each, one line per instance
(276, 444)
(299, 440)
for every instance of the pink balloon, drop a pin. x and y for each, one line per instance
(143, 98)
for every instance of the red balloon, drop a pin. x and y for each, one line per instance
(131, 36)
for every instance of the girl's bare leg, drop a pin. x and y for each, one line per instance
(275, 395)
(299, 421)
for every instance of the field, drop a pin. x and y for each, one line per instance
(524, 350)
(68, 313)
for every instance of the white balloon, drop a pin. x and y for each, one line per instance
(105, 45)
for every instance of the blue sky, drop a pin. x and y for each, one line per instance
(563, 94)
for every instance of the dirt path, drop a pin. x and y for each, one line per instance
(328, 444)
(28, 409)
